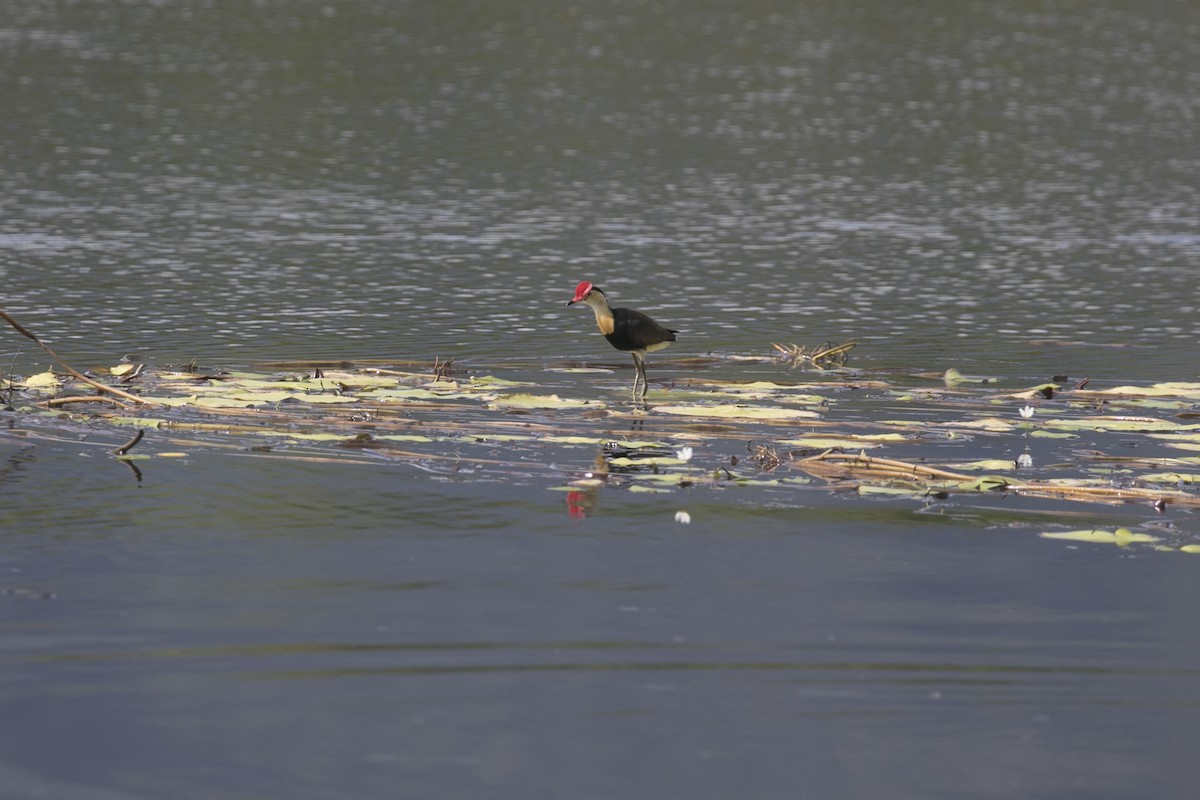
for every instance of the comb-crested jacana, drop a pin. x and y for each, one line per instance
(625, 329)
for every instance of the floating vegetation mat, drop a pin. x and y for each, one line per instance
(925, 439)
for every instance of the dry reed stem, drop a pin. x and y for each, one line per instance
(74, 373)
(873, 467)
(62, 401)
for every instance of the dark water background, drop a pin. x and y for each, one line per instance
(1007, 188)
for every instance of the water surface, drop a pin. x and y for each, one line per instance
(1006, 190)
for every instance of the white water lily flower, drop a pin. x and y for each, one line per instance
(1027, 411)
(1025, 460)
(684, 454)
(683, 516)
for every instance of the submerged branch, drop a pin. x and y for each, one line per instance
(125, 448)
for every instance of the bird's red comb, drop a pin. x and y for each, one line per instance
(582, 290)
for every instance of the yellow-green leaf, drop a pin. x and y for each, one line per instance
(1032, 392)
(309, 437)
(492, 381)
(653, 461)
(1172, 477)
(985, 483)
(953, 377)
(1119, 424)
(986, 424)
(42, 380)
(541, 401)
(656, 477)
(845, 440)
(326, 399)
(138, 422)
(737, 412)
(989, 464)
(1170, 389)
(1041, 434)
(1121, 536)
(415, 394)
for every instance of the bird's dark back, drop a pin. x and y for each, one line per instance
(633, 330)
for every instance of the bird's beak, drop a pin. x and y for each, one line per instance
(573, 302)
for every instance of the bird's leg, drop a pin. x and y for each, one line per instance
(639, 365)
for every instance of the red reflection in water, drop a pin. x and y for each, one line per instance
(575, 505)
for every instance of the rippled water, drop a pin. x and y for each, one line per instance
(388, 180)
(1007, 189)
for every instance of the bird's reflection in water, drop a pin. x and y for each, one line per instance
(584, 497)
(579, 502)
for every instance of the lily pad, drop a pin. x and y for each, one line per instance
(139, 422)
(890, 491)
(307, 437)
(245, 397)
(325, 399)
(986, 483)
(218, 402)
(653, 461)
(1031, 393)
(672, 478)
(989, 464)
(485, 437)
(1119, 424)
(850, 441)
(1172, 477)
(1170, 389)
(1041, 434)
(491, 382)
(1177, 437)
(414, 394)
(42, 380)
(541, 401)
(1121, 536)
(994, 424)
(953, 377)
(728, 411)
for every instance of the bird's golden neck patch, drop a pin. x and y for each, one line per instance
(604, 319)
